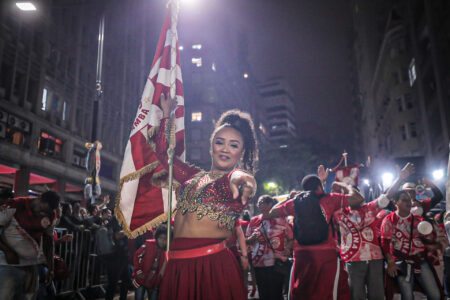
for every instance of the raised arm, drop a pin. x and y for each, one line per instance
(353, 196)
(242, 184)
(283, 209)
(182, 171)
(437, 194)
(407, 171)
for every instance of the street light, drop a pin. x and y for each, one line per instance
(26, 6)
(272, 185)
(189, 2)
(245, 75)
(366, 181)
(387, 179)
(438, 174)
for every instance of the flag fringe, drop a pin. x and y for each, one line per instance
(118, 212)
(143, 228)
(139, 173)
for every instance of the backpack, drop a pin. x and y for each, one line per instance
(310, 225)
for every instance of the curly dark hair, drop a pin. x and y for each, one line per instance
(266, 199)
(243, 123)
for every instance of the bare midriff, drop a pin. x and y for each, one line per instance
(188, 226)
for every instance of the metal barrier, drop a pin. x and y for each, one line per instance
(87, 271)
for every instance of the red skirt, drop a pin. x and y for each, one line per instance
(318, 274)
(214, 276)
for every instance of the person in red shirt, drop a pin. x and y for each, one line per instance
(318, 273)
(360, 242)
(149, 261)
(270, 240)
(405, 251)
(26, 240)
(360, 248)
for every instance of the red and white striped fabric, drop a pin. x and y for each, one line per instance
(140, 205)
(348, 175)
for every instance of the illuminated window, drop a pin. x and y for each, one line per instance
(44, 100)
(64, 111)
(412, 72)
(17, 138)
(197, 46)
(196, 117)
(49, 145)
(197, 61)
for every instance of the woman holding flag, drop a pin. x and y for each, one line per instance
(200, 266)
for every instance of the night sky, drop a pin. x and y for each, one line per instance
(307, 42)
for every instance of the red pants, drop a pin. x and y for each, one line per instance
(215, 276)
(318, 274)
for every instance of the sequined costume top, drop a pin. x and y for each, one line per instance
(202, 193)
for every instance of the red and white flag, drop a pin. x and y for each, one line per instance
(348, 175)
(141, 205)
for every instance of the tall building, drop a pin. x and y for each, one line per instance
(369, 21)
(216, 76)
(403, 89)
(395, 116)
(429, 74)
(47, 89)
(277, 110)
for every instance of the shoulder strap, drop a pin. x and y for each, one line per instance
(266, 237)
(411, 233)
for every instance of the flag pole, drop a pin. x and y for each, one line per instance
(170, 154)
(174, 7)
(447, 186)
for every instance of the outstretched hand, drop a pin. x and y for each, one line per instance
(407, 171)
(167, 105)
(242, 184)
(428, 182)
(340, 187)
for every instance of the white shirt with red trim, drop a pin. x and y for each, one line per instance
(359, 233)
(277, 231)
(27, 249)
(396, 235)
